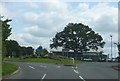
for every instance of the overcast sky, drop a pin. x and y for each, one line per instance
(36, 23)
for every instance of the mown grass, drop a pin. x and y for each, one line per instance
(8, 68)
(0, 68)
(44, 60)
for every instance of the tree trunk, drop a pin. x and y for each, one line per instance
(81, 55)
(76, 53)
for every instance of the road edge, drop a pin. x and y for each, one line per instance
(13, 73)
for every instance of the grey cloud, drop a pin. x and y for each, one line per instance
(36, 41)
(40, 32)
(106, 23)
(49, 19)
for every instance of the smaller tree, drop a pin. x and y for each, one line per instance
(23, 51)
(40, 51)
(29, 51)
(44, 52)
(12, 48)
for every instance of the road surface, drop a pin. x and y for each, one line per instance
(82, 72)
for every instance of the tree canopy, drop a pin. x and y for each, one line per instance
(26, 51)
(6, 29)
(12, 47)
(77, 37)
(40, 51)
(6, 32)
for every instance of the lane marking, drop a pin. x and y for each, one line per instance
(81, 78)
(76, 67)
(76, 71)
(58, 66)
(31, 67)
(43, 76)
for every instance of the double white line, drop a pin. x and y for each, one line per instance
(78, 73)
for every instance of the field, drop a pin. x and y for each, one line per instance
(44, 60)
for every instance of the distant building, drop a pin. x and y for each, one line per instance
(88, 56)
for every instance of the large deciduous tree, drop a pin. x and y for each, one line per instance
(77, 37)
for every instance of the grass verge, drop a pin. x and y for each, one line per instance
(44, 60)
(8, 68)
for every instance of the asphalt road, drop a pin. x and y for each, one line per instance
(84, 71)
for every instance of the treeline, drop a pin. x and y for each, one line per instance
(11, 48)
(15, 50)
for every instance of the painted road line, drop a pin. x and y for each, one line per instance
(31, 67)
(81, 78)
(58, 66)
(76, 67)
(43, 76)
(76, 71)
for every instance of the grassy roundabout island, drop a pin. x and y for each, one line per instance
(8, 68)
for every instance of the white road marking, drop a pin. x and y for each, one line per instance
(81, 78)
(58, 66)
(76, 71)
(43, 76)
(76, 67)
(31, 67)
